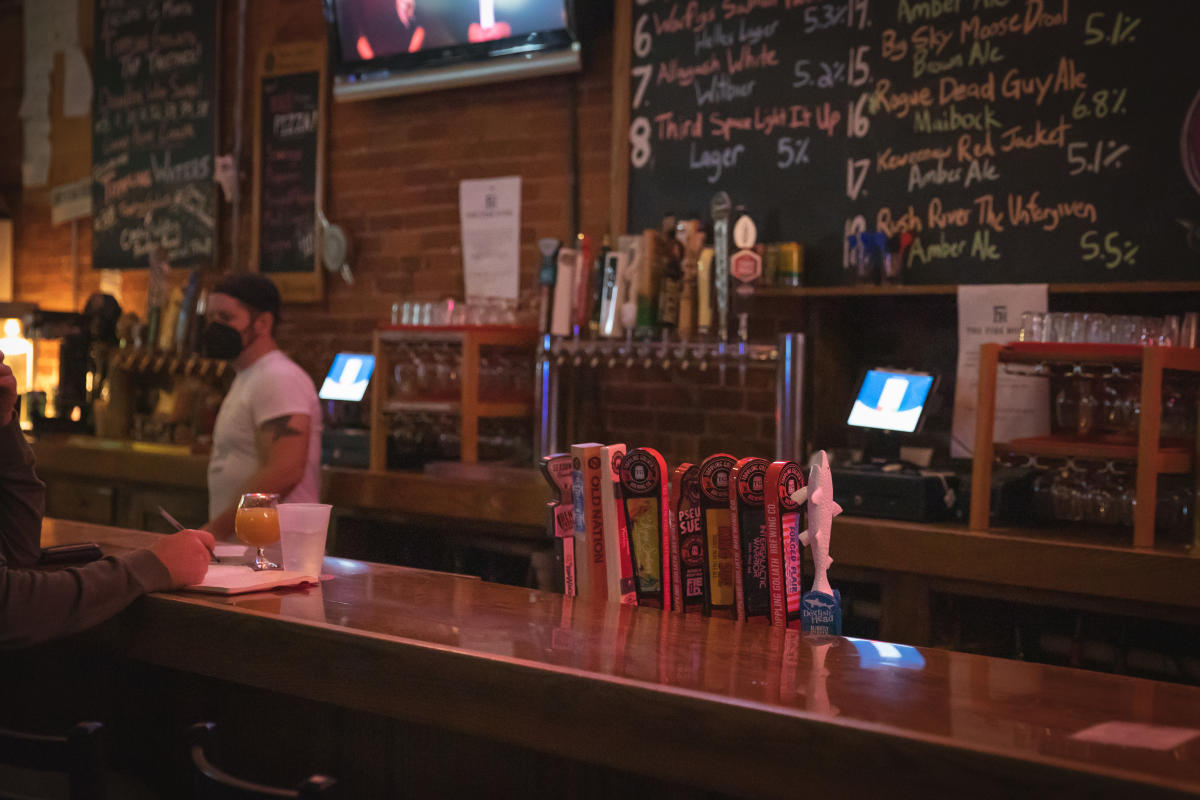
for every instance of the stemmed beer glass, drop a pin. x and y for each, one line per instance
(257, 524)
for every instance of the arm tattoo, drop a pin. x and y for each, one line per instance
(279, 428)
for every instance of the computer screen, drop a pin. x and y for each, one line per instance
(891, 400)
(348, 377)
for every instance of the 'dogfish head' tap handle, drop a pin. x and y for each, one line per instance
(822, 605)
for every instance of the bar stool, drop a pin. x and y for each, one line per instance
(79, 754)
(211, 783)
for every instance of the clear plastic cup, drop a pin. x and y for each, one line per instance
(303, 528)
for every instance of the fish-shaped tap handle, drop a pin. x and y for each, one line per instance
(822, 605)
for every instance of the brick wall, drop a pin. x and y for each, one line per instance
(685, 414)
(392, 182)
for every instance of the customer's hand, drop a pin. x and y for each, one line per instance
(186, 555)
(8, 392)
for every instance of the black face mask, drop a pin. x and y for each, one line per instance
(219, 340)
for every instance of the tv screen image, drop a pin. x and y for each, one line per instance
(891, 400)
(348, 377)
(370, 29)
(381, 47)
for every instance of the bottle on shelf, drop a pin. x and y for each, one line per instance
(596, 292)
(671, 286)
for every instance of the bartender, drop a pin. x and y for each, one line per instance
(267, 436)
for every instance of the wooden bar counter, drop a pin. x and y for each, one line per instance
(123, 483)
(392, 659)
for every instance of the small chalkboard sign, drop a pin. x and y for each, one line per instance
(154, 127)
(288, 168)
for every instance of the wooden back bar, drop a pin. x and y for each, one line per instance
(1013, 558)
(738, 708)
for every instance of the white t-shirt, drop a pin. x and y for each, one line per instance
(271, 387)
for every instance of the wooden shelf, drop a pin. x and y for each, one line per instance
(485, 334)
(483, 410)
(422, 406)
(1148, 454)
(1171, 459)
(469, 408)
(855, 291)
(1181, 358)
(508, 409)
(951, 288)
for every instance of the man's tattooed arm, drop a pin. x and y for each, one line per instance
(280, 428)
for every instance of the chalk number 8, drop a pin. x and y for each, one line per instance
(639, 138)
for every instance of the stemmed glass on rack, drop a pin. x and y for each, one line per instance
(1099, 493)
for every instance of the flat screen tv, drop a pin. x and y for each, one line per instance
(381, 47)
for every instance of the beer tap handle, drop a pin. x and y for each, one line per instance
(743, 335)
(722, 209)
(682, 356)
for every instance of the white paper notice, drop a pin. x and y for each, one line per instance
(77, 83)
(993, 314)
(35, 166)
(71, 201)
(35, 101)
(39, 60)
(64, 28)
(490, 212)
(35, 98)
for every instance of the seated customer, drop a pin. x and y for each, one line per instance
(36, 605)
(267, 436)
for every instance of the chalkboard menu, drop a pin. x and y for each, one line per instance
(153, 132)
(290, 115)
(1016, 140)
(289, 166)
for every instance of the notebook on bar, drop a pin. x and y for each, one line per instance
(237, 579)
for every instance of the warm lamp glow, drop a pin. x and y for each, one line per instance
(18, 354)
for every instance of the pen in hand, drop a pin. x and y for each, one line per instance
(179, 527)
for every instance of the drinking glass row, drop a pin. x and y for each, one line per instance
(460, 313)
(416, 439)
(432, 371)
(1105, 495)
(1110, 402)
(1067, 326)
